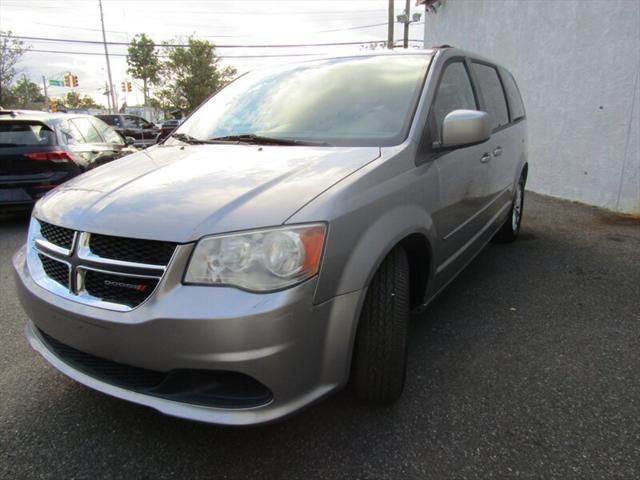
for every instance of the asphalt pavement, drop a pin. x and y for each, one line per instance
(527, 366)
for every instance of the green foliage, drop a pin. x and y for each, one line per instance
(143, 63)
(191, 74)
(71, 100)
(76, 101)
(11, 51)
(89, 102)
(25, 93)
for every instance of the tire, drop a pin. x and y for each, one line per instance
(380, 350)
(511, 227)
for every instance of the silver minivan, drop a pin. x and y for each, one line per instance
(270, 250)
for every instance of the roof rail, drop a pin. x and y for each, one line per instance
(8, 112)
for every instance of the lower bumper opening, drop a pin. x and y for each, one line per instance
(210, 388)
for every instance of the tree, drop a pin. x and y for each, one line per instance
(26, 93)
(75, 101)
(72, 100)
(142, 59)
(88, 102)
(192, 74)
(11, 51)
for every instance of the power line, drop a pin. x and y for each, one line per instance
(137, 8)
(120, 32)
(362, 26)
(35, 50)
(96, 42)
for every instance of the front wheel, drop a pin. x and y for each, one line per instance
(380, 350)
(511, 228)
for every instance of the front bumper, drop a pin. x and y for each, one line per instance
(298, 350)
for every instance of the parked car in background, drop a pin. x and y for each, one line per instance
(271, 249)
(143, 132)
(40, 150)
(167, 128)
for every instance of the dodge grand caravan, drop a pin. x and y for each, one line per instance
(270, 251)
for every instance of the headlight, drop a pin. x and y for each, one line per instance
(259, 260)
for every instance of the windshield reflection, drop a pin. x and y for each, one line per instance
(353, 101)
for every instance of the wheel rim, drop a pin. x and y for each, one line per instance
(516, 214)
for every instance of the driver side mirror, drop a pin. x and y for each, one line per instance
(465, 127)
(128, 141)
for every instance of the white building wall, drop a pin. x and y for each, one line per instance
(577, 63)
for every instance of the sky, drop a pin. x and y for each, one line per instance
(224, 22)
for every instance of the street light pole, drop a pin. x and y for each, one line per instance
(46, 96)
(390, 28)
(106, 54)
(407, 7)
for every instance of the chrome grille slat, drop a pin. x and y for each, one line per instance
(106, 282)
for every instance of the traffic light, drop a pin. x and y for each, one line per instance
(123, 86)
(128, 86)
(67, 80)
(75, 80)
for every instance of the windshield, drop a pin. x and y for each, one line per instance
(356, 101)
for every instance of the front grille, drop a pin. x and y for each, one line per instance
(57, 271)
(131, 249)
(121, 289)
(122, 272)
(211, 388)
(60, 236)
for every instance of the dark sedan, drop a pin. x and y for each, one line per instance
(40, 150)
(143, 132)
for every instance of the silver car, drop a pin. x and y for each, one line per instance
(271, 250)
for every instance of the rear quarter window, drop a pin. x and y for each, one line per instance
(493, 94)
(25, 134)
(516, 105)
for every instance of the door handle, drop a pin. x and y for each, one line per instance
(497, 152)
(485, 158)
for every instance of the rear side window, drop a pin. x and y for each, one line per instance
(516, 105)
(493, 94)
(87, 130)
(108, 133)
(454, 93)
(25, 134)
(70, 133)
(132, 122)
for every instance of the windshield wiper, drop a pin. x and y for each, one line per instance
(259, 139)
(183, 137)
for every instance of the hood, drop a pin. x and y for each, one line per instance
(180, 194)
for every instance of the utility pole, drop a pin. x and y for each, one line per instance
(407, 7)
(106, 54)
(46, 96)
(391, 21)
(107, 92)
(25, 82)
